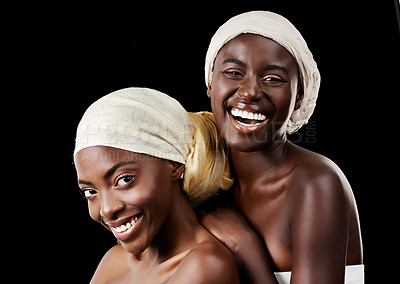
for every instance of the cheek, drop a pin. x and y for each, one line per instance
(284, 101)
(219, 93)
(154, 194)
(146, 197)
(216, 107)
(94, 211)
(159, 200)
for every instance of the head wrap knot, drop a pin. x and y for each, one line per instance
(149, 122)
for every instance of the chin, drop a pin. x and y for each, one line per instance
(246, 143)
(250, 142)
(134, 247)
(249, 147)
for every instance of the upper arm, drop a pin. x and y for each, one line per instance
(208, 264)
(319, 227)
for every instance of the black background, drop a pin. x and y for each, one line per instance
(90, 51)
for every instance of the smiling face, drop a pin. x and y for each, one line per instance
(129, 193)
(254, 90)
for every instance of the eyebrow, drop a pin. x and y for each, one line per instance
(84, 182)
(112, 170)
(109, 173)
(235, 61)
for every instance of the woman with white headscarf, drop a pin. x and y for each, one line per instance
(142, 162)
(263, 83)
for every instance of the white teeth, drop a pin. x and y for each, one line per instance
(247, 115)
(126, 226)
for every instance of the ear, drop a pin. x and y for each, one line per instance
(177, 170)
(299, 97)
(209, 91)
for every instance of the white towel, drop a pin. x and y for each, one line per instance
(354, 275)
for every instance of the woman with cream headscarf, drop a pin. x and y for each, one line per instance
(142, 161)
(263, 83)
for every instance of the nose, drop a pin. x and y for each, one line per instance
(250, 89)
(111, 205)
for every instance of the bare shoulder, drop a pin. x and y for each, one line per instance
(114, 265)
(317, 171)
(323, 217)
(207, 262)
(318, 182)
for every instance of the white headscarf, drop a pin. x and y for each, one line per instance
(149, 122)
(279, 29)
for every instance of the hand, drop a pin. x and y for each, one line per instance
(228, 226)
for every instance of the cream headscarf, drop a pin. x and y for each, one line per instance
(279, 29)
(146, 121)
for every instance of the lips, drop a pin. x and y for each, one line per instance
(246, 119)
(125, 229)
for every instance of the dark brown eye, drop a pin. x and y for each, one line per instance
(89, 192)
(124, 180)
(233, 73)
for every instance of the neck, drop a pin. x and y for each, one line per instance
(179, 231)
(250, 166)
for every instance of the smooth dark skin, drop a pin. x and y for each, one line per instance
(170, 246)
(297, 201)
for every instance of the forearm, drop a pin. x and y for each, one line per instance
(252, 261)
(232, 229)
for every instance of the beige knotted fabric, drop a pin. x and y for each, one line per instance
(279, 29)
(209, 156)
(149, 122)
